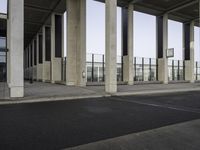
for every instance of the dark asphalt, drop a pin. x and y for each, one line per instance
(62, 124)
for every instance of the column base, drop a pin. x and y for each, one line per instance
(17, 92)
(111, 89)
(130, 83)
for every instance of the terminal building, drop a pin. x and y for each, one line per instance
(32, 44)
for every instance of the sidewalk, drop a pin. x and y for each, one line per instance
(180, 136)
(39, 92)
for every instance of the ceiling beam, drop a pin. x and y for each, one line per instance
(135, 1)
(37, 8)
(33, 23)
(181, 6)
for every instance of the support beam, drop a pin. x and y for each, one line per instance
(76, 43)
(188, 51)
(111, 46)
(135, 1)
(127, 44)
(16, 47)
(162, 46)
(181, 6)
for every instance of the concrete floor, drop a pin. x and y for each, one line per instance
(183, 136)
(64, 124)
(40, 91)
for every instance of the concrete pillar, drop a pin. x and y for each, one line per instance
(33, 59)
(30, 61)
(39, 57)
(111, 47)
(127, 44)
(76, 43)
(46, 73)
(56, 45)
(26, 63)
(188, 51)
(16, 47)
(162, 46)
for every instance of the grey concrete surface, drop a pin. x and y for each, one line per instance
(64, 124)
(38, 91)
(183, 136)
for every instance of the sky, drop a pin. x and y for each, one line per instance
(144, 32)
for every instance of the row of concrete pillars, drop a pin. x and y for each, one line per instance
(46, 50)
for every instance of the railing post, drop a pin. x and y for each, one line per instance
(196, 70)
(142, 69)
(173, 70)
(135, 69)
(103, 69)
(183, 70)
(178, 70)
(156, 69)
(65, 72)
(92, 67)
(150, 69)
(122, 68)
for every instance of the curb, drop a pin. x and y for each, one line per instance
(155, 92)
(68, 98)
(49, 99)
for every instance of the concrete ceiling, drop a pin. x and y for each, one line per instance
(37, 12)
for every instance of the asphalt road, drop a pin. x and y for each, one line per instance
(62, 124)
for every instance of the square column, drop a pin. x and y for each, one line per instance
(76, 43)
(46, 73)
(162, 46)
(111, 47)
(34, 51)
(57, 48)
(27, 63)
(127, 44)
(39, 57)
(30, 61)
(188, 51)
(16, 47)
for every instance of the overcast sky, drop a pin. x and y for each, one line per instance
(144, 32)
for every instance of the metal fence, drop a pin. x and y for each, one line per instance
(63, 68)
(95, 66)
(197, 71)
(3, 65)
(146, 69)
(176, 70)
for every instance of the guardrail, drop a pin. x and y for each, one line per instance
(197, 71)
(145, 69)
(176, 70)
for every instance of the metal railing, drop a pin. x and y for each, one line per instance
(197, 71)
(3, 73)
(95, 66)
(145, 69)
(176, 70)
(63, 68)
(3, 65)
